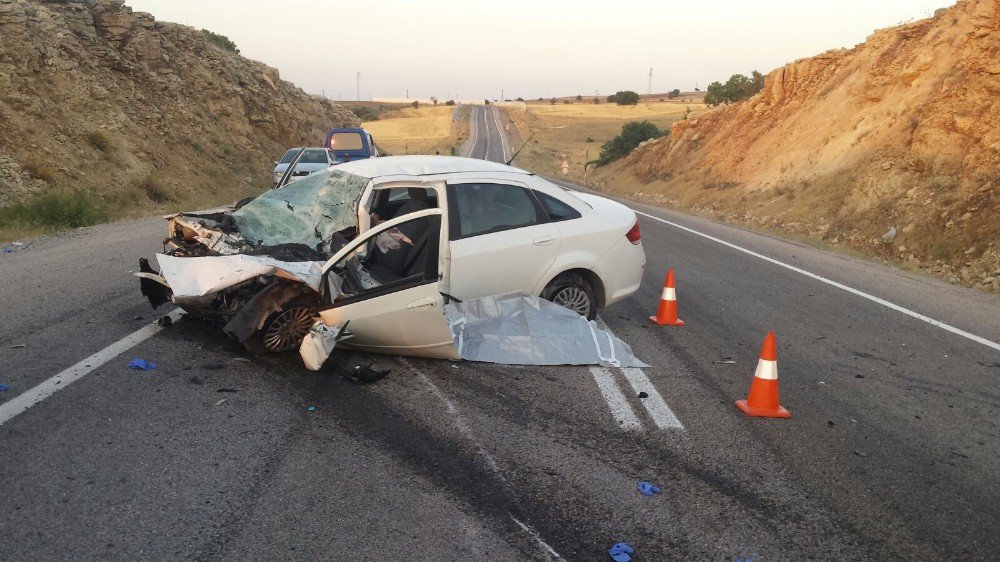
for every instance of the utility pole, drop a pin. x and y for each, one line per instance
(407, 93)
(501, 94)
(359, 86)
(650, 88)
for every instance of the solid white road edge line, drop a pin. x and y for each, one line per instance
(654, 403)
(833, 283)
(503, 147)
(19, 404)
(620, 409)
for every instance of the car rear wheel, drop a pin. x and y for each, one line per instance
(572, 291)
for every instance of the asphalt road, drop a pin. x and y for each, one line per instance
(487, 134)
(891, 453)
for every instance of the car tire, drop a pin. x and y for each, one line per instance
(572, 291)
(284, 330)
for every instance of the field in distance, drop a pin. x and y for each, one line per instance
(574, 130)
(424, 130)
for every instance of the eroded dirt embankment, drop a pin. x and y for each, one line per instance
(143, 114)
(891, 148)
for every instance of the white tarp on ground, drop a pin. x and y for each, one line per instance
(515, 329)
(195, 277)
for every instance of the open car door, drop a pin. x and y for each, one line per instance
(385, 284)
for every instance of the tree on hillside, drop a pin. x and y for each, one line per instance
(737, 88)
(624, 97)
(220, 41)
(675, 93)
(579, 97)
(633, 133)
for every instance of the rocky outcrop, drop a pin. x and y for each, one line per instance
(901, 130)
(111, 97)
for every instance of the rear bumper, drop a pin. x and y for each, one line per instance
(621, 271)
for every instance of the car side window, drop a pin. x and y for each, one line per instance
(482, 208)
(556, 209)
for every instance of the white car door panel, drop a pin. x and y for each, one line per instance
(401, 313)
(407, 322)
(502, 262)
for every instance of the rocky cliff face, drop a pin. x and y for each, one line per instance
(901, 131)
(140, 112)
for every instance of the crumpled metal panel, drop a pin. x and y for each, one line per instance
(195, 277)
(309, 211)
(516, 329)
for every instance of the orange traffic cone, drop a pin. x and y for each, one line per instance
(666, 314)
(762, 402)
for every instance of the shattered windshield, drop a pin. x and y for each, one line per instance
(310, 211)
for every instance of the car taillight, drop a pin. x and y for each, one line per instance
(633, 235)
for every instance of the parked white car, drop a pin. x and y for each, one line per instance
(402, 235)
(312, 160)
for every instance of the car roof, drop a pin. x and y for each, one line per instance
(423, 166)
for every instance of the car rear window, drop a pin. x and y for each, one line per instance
(346, 141)
(556, 209)
(313, 157)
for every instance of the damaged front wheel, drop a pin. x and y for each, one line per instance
(284, 330)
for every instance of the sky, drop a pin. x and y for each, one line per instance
(476, 49)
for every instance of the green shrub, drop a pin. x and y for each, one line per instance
(57, 208)
(99, 140)
(220, 41)
(633, 133)
(737, 88)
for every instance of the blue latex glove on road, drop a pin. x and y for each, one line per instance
(3, 387)
(141, 364)
(621, 552)
(648, 489)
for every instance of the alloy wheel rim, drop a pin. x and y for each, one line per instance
(575, 299)
(288, 329)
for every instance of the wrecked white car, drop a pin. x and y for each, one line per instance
(385, 243)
